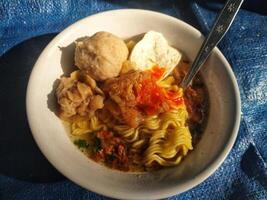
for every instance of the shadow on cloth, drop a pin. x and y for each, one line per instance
(19, 155)
(254, 166)
(255, 176)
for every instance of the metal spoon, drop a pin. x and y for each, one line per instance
(220, 27)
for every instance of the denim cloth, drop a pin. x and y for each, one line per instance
(26, 174)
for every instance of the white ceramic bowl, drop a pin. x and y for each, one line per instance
(51, 137)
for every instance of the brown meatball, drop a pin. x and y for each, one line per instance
(101, 55)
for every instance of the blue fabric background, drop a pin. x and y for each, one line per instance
(27, 26)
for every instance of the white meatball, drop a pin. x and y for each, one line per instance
(101, 55)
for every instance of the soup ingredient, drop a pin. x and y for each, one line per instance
(122, 92)
(78, 97)
(135, 94)
(153, 99)
(81, 143)
(153, 50)
(157, 72)
(127, 66)
(111, 150)
(101, 55)
(196, 100)
(195, 95)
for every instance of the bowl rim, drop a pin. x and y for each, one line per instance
(204, 174)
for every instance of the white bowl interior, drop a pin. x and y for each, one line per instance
(51, 136)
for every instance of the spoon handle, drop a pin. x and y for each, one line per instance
(220, 27)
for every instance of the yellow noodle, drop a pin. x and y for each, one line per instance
(167, 82)
(171, 143)
(128, 133)
(85, 127)
(151, 122)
